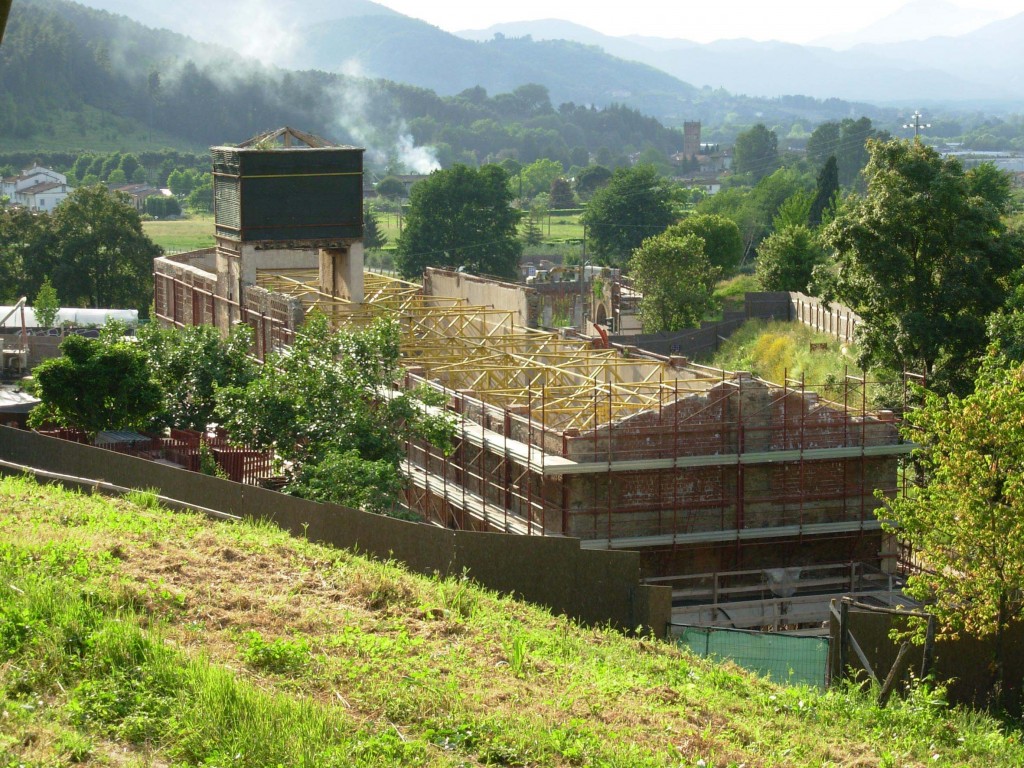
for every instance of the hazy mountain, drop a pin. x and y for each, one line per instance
(913, 72)
(917, 20)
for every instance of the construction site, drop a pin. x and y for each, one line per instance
(741, 494)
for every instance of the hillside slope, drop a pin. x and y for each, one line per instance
(134, 636)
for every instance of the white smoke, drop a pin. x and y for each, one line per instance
(390, 145)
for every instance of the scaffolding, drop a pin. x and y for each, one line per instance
(626, 450)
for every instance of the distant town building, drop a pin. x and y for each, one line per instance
(36, 188)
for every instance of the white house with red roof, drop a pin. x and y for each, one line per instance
(36, 188)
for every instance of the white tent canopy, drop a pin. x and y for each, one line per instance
(76, 315)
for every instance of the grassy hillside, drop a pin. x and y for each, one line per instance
(133, 636)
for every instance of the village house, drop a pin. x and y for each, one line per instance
(36, 188)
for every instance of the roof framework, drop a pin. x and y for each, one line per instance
(562, 383)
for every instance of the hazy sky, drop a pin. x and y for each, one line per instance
(798, 21)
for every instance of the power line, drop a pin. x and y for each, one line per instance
(917, 125)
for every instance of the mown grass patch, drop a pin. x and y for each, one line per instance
(167, 639)
(190, 234)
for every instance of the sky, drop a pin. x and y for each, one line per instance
(796, 21)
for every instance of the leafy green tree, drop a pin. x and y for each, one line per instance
(852, 153)
(537, 177)
(591, 179)
(561, 194)
(129, 165)
(117, 177)
(328, 406)
(179, 183)
(786, 259)
(756, 152)
(676, 280)
(200, 199)
(723, 244)
(26, 250)
(95, 385)
(461, 217)
(160, 206)
(964, 522)
(823, 143)
(923, 261)
(635, 204)
(826, 193)
(391, 188)
(795, 210)
(101, 256)
(190, 364)
(991, 184)
(46, 305)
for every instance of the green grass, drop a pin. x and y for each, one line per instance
(134, 636)
(776, 350)
(731, 294)
(188, 234)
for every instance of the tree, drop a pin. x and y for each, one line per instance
(923, 261)
(561, 194)
(26, 249)
(461, 217)
(372, 235)
(190, 364)
(635, 204)
(991, 184)
(46, 305)
(786, 259)
(964, 522)
(200, 199)
(723, 244)
(756, 152)
(676, 280)
(101, 258)
(95, 385)
(537, 177)
(329, 406)
(532, 233)
(591, 179)
(826, 193)
(159, 206)
(823, 143)
(391, 188)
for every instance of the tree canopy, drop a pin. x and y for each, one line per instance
(965, 522)
(676, 279)
(461, 217)
(786, 259)
(95, 385)
(756, 152)
(723, 244)
(635, 204)
(923, 260)
(91, 247)
(328, 408)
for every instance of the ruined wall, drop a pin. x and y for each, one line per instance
(483, 292)
(184, 294)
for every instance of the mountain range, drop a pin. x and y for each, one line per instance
(978, 67)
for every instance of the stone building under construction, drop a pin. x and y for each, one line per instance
(701, 470)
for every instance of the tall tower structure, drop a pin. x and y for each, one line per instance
(691, 138)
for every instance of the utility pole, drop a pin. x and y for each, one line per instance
(917, 125)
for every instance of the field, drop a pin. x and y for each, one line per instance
(133, 636)
(182, 235)
(554, 228)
